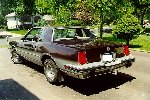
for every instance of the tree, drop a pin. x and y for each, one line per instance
(84, 13)
(6, 7)
(20, 7)
(62, 10)
(127, 28)
(108, 11)
(100, 7)
(45, 6)
(147, 15)
(25, 7)
(116, 9)
(141, 7)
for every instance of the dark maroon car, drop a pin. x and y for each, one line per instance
(73, 51)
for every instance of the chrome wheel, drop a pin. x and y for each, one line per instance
(16, 58)
(50, 71)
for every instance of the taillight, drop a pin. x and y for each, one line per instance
(126, 50)
(82, 57)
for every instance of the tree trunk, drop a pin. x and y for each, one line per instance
(127, 42)
(101, 30)
(142, 15)
(101, 20)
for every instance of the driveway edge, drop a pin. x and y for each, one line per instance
(139, 50)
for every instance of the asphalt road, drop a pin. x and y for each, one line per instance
(3, 42)
(27, 82)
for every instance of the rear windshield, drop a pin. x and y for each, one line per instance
(71, 33)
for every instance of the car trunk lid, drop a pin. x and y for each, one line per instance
(93, 49)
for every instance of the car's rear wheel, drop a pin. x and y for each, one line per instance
(50, 70)
(16, 58)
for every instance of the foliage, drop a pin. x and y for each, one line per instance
(110, 37)
(140, 8)
(42, 23)
(78, 12)
(6, 7)
(25, 7)
(127, 28)
(20, 7)
(63, 17)
(84, 13)
(44, 6)
(147, 30)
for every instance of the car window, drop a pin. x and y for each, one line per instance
(64, 33)
(80, 33)
(33, 34)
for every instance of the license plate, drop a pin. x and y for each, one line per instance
(107, 57)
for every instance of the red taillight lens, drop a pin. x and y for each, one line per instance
(82, 57)
(126, 50)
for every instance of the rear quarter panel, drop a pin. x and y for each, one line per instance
(59, 53)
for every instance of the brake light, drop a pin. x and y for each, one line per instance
(126, 50)
(82, 57)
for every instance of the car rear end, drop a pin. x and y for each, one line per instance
(97, 60)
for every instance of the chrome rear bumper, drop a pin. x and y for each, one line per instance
(98, 68)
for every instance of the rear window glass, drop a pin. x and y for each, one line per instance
(71, 33)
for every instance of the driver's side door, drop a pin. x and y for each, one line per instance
(29, 45)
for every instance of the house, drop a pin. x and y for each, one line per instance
(26, 21)
(13, 22)
(30, 21)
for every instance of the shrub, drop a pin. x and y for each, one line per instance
(42, 23)
(147, 30)
(127, 28)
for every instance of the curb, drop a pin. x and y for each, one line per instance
(9, 34)
(139, 50)
(15, 35)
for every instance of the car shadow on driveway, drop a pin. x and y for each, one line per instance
(11, 90)
(34, 66)
(98, 84)
(93, 85)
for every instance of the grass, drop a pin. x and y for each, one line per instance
(111, 38)
(140, 43)
(3, 46)
(22, 32)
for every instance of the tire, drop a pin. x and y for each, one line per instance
(51, 72)
(16, 58)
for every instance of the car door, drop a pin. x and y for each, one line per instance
(30, 42)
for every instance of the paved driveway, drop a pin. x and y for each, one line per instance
(27, 82)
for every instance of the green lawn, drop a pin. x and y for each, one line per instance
(141, 43)
(22, 32)
(4, 46)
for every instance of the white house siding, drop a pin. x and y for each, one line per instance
(13, 23)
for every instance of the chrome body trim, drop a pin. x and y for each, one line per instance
(98, 68)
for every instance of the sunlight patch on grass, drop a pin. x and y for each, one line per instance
(143, 41)
(4, 46)
(140, 43)
(22, 32)
(111, 38)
